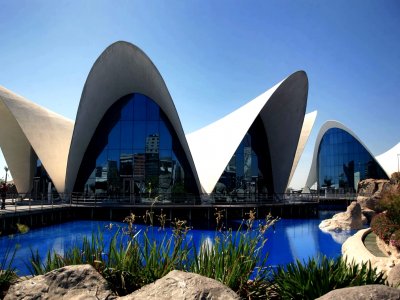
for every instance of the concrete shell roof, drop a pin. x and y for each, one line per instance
(120, 70)
(281, 109)
(312, 176)
(390, 160)
(25, 125)
(308, 124)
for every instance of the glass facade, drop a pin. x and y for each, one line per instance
(135, 154)
(248, 174)
(42, 187)
(343, 162)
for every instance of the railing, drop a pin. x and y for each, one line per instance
(45, 201)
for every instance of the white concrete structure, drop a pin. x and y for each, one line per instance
(313, 174)
(308, 125)
(281, 109)
(29, 131)
(122, 69)
(390, 160)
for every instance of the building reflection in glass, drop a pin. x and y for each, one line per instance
(248, 175)
(135, 155)
(343, 162)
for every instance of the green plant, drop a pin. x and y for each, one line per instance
(319, 276)
(7, 272)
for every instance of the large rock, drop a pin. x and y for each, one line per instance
(370, 192)
(71, 282)
(352, 218)
(393, 277)
(180, 285)
(365, 292)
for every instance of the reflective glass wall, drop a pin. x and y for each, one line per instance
(135, 154)
(42, 186)
(343, 162)
(248, 175)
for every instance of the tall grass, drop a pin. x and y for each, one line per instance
(134, 259)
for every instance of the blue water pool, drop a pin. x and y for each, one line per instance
(290, 239)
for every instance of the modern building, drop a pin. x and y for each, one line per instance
(127, 140)
(341, 161)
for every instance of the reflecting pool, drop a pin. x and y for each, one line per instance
(290, 239)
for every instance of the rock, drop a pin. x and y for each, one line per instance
(71, 282)
(352, 218)
(393, 276)
(365, 292)
(180, 285)
(368, 213)
(369, 187)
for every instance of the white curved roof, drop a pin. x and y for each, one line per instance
(281, 109)
(312, 176)
(26, 126)
(120, 70)
(390, 160)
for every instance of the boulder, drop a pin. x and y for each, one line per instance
(71, 282)
(352, 218)
(393, 276)
(180, 285)
(364, 292)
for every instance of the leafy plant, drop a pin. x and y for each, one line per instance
(319, 276)
(7, 273)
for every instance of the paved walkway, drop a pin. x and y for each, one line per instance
(371, 245)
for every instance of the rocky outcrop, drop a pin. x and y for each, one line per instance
(180, 285)
(370, 192)
(365, 292)
(71, 282)
(393, 277)
(83, 282)
(352, 218)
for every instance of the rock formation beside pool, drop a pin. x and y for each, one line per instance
(84, 282)
(351, 219)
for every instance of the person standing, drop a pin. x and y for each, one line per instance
(3, 192)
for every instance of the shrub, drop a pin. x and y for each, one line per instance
(390, 203)
(383, 227)
(319, 276)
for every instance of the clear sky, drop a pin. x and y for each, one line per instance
(217, 55)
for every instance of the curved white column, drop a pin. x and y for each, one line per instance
(281, 109)
(120, 70)
(308, 124)
(26, 125)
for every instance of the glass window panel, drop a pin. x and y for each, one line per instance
(165, 137)
(127, 111)
(139, 135)
(152, 111)
(139, 108)
(102, 159)
(127, 135)
(114, 136)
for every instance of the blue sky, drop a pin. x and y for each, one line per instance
(217, 55)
